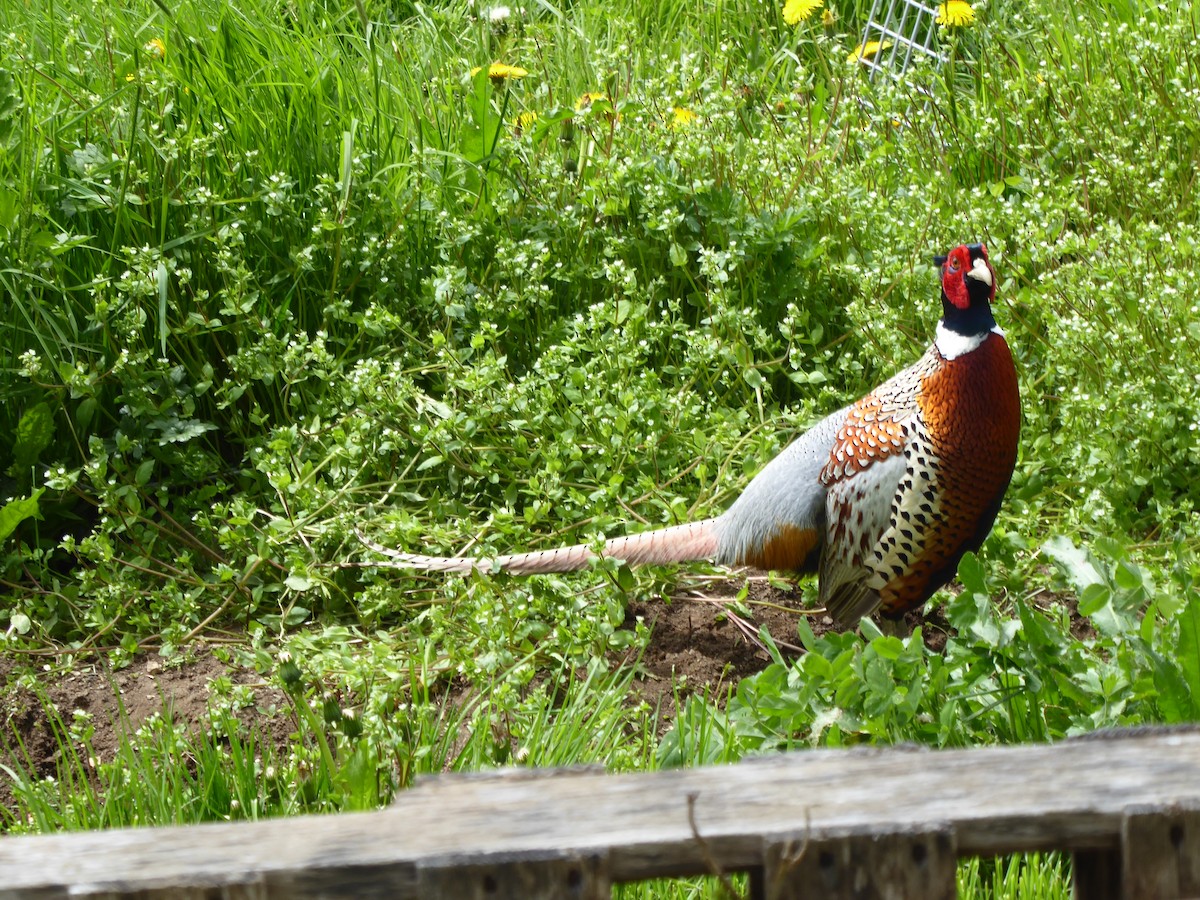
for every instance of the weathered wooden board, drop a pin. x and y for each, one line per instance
(596, 828)
(1160, 853)
(896, 866)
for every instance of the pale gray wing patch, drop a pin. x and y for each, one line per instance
(786, 492)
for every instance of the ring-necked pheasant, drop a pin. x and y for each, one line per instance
(882, 498)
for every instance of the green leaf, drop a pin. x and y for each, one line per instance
(1093, 598)
(816, 668)
(869, 630)
(20, 623)
(84, 412)
(359, 778)
(179, 431)
(888, 646)
(478, 141)
(10, 200)
(1076, 564)
(804, 631)
(34, 433)
(1038, 632)
(1174, 697)
(1095, 602)
(987, 630)
(970, 609)
(1127, 576)
(143, 473)
(877, 675)
(17, 511)
(1188, 652)
(772, 647)
(625, 578)
(970, 574)
(296, 616)
(346, 172)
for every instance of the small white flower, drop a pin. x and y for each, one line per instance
(498, 14)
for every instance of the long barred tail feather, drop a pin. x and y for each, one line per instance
(677, 543)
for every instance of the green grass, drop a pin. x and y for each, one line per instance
(295, 269)
(339, 757)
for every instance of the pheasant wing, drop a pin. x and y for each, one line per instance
(866, 472)
(779, 520)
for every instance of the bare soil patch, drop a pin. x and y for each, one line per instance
(705, 639)
(119, 703)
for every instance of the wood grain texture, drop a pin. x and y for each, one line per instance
(567, 878)
(1160, 853)
(897, 865)
(1071, 796)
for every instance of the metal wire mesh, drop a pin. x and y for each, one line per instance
(907, 30)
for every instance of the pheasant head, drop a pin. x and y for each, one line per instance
(968, 289)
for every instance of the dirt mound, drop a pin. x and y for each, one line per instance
(706, 638)
(119, 703)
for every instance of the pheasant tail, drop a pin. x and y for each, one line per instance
(678, 543)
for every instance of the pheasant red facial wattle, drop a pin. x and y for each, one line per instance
(882, 498)
(960, 269)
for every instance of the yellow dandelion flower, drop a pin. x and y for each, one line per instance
(591, 98)
(525, 121)
(867, 50)
(796, 11)
(828, 18)
(955, 13)
(498, 72)
(156, 48)
(586, 100)
(681, 117)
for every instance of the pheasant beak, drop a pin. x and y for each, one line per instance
(980, 271)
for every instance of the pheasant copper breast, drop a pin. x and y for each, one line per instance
(881, 499)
